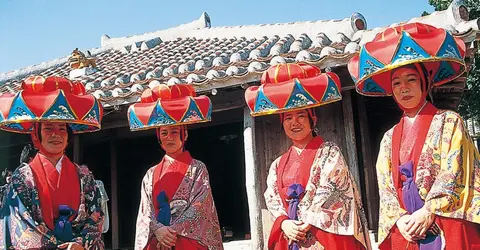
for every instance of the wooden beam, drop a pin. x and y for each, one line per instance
(252, 181)
(371, 186)
(351, 143)
(114, 192)
(77, 150)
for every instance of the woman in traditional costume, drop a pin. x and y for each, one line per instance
(428, 167)
(176, 207)
(310, 191)
(51, 202)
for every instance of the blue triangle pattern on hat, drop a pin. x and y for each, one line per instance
(332, 92)
(299, 97)
(60, 109)
(193, 113)
(19, 110)
(368, 64)
(370, 86)
(133, 120)
(160, 117)
(445, 71)
(209, 112)
(262, 103)
(15, 126)
(408, 50)
(93, 114)
(78, 127)
(449, 48)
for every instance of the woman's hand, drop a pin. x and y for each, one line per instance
(166, 237)
(402, 227)
(71, 246)
(295, 230)
(420, 221)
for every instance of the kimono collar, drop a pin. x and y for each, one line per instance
(422, 122)
(307, 158)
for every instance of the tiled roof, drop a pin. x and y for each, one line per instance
(217, 57)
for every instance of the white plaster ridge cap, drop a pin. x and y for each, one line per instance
(330, 27)
(201, 29)
(202, 23)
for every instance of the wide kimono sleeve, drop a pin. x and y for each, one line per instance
(332, 202)
(18, 225)
(90, 225)
(199, 220)
(390, 209)
(146, 221)
(455, 192)
(272, 195)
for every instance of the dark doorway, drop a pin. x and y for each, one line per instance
(221, 149)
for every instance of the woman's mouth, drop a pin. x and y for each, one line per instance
(55, 142)
(407, 98)
(296, 130)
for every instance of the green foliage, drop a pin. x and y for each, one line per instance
(470, 104)
(472, 5)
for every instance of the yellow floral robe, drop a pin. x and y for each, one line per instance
(447, 176)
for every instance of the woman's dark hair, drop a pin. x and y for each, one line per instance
(27, 154)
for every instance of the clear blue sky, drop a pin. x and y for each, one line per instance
(35, 31)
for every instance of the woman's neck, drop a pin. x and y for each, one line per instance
(414, 112)
(175, 155)
(303, 142)
(53, 158)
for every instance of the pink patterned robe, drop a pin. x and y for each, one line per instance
(331, 202)
(192, 208)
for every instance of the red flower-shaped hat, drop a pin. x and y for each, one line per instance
(435, 48)
(51, 99)
(168, 106)
(292, 86)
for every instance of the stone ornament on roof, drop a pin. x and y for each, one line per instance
(78, 60)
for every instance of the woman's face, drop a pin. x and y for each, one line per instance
(54, 137)
(171, 139)
(296, 125)
(407, 87)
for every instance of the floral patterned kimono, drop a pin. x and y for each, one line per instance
(330, 202)
(445, 180)
(44, 208)
(177, 193)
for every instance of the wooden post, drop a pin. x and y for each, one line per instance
(77, 151)
(114, 194)
(252, 181)
(351, 144)
(371, 186)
